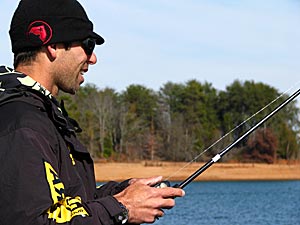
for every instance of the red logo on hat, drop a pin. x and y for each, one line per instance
(41, 30)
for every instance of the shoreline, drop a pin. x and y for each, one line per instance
(178, 171)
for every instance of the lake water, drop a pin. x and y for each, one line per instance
(237, 203)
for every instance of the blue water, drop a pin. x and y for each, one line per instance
(237, 203)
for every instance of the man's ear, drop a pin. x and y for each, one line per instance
(51, 50)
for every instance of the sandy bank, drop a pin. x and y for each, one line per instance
(229, 171)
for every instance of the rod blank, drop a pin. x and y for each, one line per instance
(218, 156)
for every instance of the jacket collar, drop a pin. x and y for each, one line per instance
(9, 78)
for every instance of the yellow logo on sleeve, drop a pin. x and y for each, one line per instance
(66, 209)
(57, 188)
(63, 208)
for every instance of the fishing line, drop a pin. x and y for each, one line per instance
(231, 131)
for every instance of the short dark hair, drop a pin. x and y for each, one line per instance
(25, 57)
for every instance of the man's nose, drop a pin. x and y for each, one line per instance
(92, 59)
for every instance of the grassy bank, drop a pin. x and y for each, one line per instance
(172, 171)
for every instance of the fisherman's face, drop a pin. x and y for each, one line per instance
(74, 63)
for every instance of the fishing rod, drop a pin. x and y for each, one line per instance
(218, 156)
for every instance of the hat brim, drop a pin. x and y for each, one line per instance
(98, 38)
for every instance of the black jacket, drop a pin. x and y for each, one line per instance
(46, 174)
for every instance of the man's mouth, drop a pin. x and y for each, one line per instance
(81, 77)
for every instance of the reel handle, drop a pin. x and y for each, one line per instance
(164, 184)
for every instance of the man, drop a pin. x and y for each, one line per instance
(47, 176)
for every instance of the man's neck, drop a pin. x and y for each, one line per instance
(39, 74)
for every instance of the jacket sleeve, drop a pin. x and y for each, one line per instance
(111, 188)
(32, 191)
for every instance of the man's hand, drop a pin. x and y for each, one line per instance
(145, 202)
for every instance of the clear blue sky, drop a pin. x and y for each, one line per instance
(151, 42)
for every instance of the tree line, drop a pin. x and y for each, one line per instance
(182, 121)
